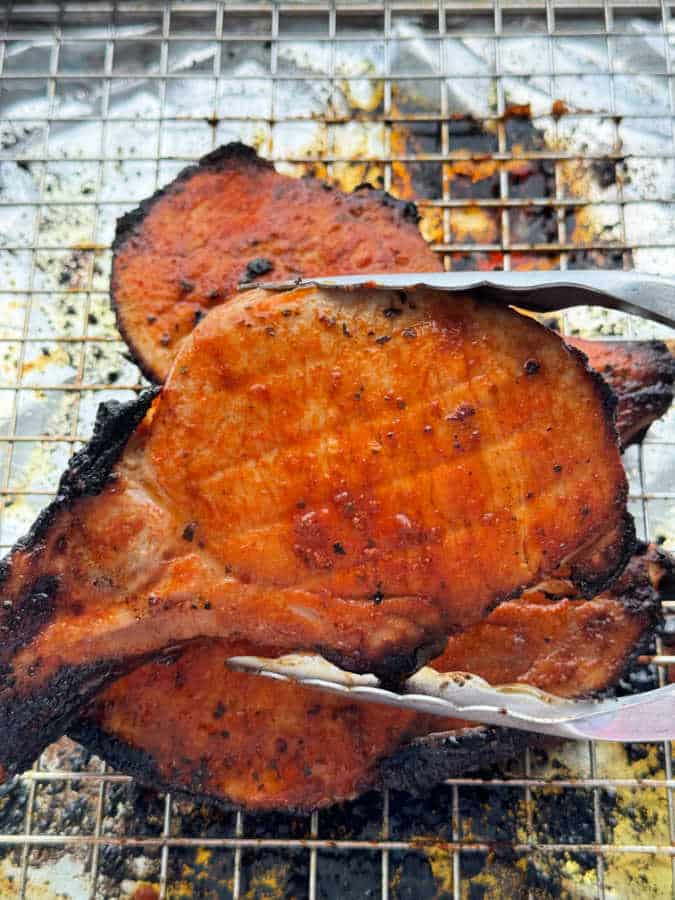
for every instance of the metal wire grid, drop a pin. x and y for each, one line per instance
(82, 380)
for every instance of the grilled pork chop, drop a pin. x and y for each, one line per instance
(357, 474)
(236, 738)
(232, 218)
(240, 738)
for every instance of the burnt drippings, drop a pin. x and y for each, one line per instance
(605, 171)
(494, 815)
(478, 178)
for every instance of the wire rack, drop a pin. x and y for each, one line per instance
(532, 134)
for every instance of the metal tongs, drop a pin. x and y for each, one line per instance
(644, 717)
(649, 296)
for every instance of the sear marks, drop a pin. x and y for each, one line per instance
(267, 447)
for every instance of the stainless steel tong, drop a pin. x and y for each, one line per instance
(644, 717)
(649, 296)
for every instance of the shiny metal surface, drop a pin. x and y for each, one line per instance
(645, 717)
(649, 296)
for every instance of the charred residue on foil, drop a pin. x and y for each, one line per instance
(476, 178)
(494, 815)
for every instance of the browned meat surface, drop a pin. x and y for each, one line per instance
(359, 474)
(307, 748)
(232, 218)
(193, 725)
(641, 374)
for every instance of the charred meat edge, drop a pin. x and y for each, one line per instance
(88, 472)
(625, 540)
(648, 399)
(228, 155)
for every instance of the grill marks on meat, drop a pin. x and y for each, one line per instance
(641, 374)
(288, 429)
(242, 739)
(232, 218)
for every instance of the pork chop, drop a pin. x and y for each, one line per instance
(358, 474)
(233, 737)
(232, 218)
(192, 725)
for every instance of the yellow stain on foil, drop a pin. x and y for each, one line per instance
(476, 170)
(358, 141)
(268, 884)
(299, 170)
(363, 95)
(638, 875)
(348, 176)
(57, 356)
(576, 177)
(441, 862)
(203, 856)
(474, 224)
(431, 223)
(578, 182)
(585, 227)
(264, 883)
(10, 877)
(89, 245)
(199, 872)
(613, 761)
(499, 880)
(629, 816)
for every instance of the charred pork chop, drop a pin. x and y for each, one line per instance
(240, 738)
(357, 474)
(232, 218)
